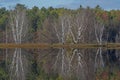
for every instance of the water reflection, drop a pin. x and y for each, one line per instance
(68, 63)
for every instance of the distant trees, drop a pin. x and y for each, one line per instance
(3, 18)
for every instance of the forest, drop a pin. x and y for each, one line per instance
(57, 27)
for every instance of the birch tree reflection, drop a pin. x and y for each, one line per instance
(18, 25)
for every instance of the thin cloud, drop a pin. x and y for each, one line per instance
(70, 5)
(1, 5)
(9, 1)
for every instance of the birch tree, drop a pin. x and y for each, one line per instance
(84, 30)
(18, 25)
(62, 30)
(99, 28)
(56, 32)
(77, 27)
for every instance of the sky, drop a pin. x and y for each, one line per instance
(71, 4)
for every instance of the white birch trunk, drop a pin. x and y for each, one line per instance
(17, 23)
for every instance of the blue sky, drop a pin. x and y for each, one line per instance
(72, 4)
